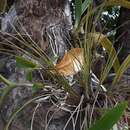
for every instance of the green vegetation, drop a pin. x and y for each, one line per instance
(35, 59)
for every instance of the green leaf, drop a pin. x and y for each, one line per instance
(6, 90)
(112, 60)
(29, 75)
(107, 44)
(78, 12)
(36, 86)
(124, 66)
(24, 63)
(6, 81)
(85, 5)
(110, 118)
(3, 5)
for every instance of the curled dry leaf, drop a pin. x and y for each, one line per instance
(71, 62)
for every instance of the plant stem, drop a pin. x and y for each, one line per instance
(6, 90)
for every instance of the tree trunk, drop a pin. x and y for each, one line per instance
(48, 22)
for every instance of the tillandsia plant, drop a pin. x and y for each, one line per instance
(92, 95)
(88, 45)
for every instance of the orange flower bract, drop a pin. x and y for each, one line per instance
(71, 62)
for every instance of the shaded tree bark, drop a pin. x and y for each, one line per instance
(48, 22)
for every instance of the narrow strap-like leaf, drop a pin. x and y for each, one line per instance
(124, 66)
(21, 62)
(78, 12)
(107, 44)
(110, 118)
(85, 5)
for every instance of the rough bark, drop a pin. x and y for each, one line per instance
(47, 22)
